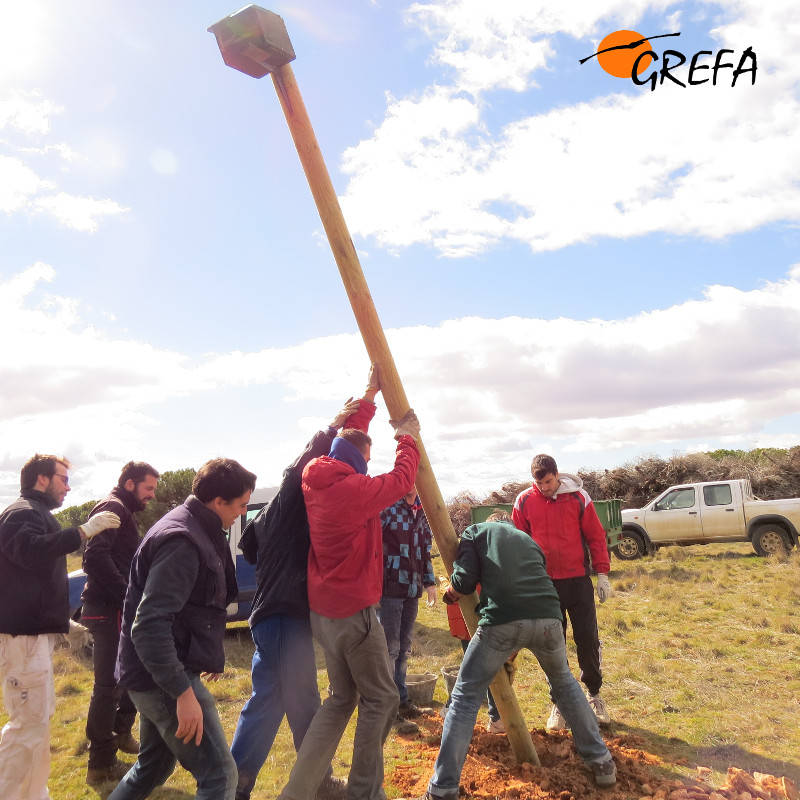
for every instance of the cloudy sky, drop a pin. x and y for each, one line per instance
(563, 261)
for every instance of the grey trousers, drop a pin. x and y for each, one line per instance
(357, 660)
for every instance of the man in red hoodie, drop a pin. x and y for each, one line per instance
(560, 517)
(345, 581)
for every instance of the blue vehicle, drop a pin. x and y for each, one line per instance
(238, 610)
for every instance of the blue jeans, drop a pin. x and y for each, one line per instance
(398, 615)
(358, 669)
(489, 648)
(494, 714)
(210, 762)
(284, 683)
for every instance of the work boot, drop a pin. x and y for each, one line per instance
(405, 727)
(407, 710)
(115, 772)
(126, 742)
(555, 722)
(496, 726)
(605, 774)
(332, 789)
(599, 708)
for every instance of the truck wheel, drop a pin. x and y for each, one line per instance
(630, 546)
(769, 540)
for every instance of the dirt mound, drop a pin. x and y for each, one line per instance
(491, 771)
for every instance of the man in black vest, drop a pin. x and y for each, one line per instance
(173, 625)
(107, 562)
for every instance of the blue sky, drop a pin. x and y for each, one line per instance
(564, 262)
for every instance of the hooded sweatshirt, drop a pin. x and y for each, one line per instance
(566, 527)
(345, 562)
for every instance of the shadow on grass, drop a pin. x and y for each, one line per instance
(163, 793)
(718, 757)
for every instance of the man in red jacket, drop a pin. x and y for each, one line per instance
(560, 517)
(345, 581)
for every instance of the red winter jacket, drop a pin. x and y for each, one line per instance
(566, 527)
(345, 562)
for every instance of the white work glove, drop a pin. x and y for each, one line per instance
(348, 409)
(408, 426)
(603, 588)
(78, 637)
(105, 520)
(373, 380)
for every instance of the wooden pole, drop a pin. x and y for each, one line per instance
(372, 332)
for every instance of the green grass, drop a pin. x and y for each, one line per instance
(701, 650)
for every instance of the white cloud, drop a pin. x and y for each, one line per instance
(703, 161)
(26, 112)
(79, 213)
(22, 187)
(18, 182)
(720, 371)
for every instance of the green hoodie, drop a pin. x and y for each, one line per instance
(510, 568)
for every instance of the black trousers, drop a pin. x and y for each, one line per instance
(577, 604)
(111, 711)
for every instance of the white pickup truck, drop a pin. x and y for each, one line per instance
(702, 513)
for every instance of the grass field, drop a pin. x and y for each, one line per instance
(701, 659)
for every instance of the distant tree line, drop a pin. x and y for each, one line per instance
(773, 472)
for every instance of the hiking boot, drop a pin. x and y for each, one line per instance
(555, 722)
(405, 727)
(605, 774)
(332, 789)
(496, 726)
(407, 709)
(115, 772)
(599, 708)
(127, 743)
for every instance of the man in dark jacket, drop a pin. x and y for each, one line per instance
(345, 579)
(107, 562)
(34, 610)
(173, 626)
(284, 665)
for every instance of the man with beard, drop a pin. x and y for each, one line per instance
(34, 610)
(107, 563)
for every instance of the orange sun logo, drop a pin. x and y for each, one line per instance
(617, 53)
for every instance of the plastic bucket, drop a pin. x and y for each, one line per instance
(420, 687)
(450, 673)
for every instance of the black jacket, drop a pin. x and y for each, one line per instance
(34, 595)
(108, 555)
(277, 541)
(182, 579)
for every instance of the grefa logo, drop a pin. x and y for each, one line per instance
(628, 54)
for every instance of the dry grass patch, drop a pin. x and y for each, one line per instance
(700, 649)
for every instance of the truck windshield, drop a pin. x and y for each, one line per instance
(678, 498)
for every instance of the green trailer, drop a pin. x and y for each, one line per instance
(609, 512)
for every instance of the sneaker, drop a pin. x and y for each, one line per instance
(332, 789)
(599, 708)
(496, 726)
(408, 709)
(405, 727)
(115, 772)
(126, 742)
(556, 722)
(605, 774)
